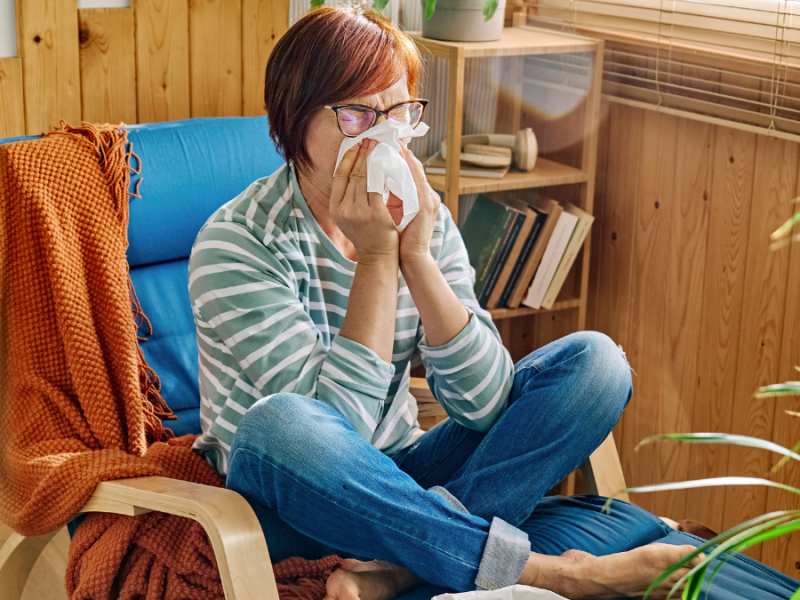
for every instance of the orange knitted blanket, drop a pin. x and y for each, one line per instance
(78, 403)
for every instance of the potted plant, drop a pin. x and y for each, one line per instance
(456, 20)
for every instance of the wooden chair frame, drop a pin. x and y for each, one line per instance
(229, 521)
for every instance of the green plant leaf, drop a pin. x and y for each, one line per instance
(317, 4)
(784, 229)
(489, 8)
(727, 540)
(696, 483)
(430, 6)
(722, 438)
(789, 388)
(379, 5)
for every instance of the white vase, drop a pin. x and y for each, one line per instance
(462, 21)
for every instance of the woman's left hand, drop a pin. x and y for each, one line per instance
(416, 237)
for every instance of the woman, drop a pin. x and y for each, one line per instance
(311, 309)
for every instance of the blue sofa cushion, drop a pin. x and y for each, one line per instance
(189, 169)
(171, 350)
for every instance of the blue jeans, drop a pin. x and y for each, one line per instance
(459, 508)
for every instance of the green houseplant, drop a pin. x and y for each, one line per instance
(456, 20)
(755, 531)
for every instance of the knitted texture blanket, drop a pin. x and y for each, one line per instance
(78, 403)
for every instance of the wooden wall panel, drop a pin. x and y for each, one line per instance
(48, 46)
(654, 194)
(613, 290)
(108, 65)
(264, 22)
(784, 553)
(215, 41)
(761, 332)
(12, 108)
(685, 279)
(162, 60)
(729, 197)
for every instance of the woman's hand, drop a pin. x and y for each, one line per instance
(362, 216)
(416, 237)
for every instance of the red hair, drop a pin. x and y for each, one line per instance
(333, 53)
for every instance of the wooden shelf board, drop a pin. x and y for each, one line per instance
(546, 172)
(523, 311)
(516, 41)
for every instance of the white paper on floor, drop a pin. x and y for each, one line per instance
(512, 592)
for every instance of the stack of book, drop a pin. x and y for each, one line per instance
(522, 254)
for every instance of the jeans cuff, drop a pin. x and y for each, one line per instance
(504, 557)
(454, 502)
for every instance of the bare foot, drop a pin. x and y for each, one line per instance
(373, 580)
(580, 575)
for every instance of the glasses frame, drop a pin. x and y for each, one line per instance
(376, 112)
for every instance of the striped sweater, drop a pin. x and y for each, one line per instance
(269, 294)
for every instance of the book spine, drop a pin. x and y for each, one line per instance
(547, 268)
(481, 278)
(575, 244)
(522, 260)
(497, 268)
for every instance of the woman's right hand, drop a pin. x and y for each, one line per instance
(362, 216)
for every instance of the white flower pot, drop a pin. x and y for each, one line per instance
(462, 21)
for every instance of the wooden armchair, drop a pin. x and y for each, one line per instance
(230, 523)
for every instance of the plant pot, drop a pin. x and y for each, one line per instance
(462, 21)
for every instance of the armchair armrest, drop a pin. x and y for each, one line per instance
(232, 527)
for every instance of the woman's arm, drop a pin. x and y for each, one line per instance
(365, 220)
(468, 369)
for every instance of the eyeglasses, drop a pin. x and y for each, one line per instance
(355, 119)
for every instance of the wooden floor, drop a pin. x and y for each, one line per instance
(682, 277)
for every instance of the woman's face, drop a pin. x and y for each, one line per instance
(324, 137)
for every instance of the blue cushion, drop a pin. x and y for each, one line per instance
(171, 350)
(189, 169)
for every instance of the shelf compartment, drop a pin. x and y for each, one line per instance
(508, 313)
(516, 41)
(546, 172)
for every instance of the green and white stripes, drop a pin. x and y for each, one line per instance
(269, 294)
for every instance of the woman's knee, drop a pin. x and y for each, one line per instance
(591, 366)
(606, 370)
(280, 423)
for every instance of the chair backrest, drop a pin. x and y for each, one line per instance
(188, 170)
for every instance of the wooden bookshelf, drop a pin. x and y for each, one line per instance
(524, 311)
(517, 42)
(546, 172)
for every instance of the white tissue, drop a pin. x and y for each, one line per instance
(387, 171)
(512, 592)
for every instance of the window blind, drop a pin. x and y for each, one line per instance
(734, 60)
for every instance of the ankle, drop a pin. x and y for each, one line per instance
(555, 573)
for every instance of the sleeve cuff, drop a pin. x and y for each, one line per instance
(358, 368)
(457, 350)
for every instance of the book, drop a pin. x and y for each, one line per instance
(484, 231)
(585, 221)
(522, 259)
(435, 165)
(502, 257)
(512, 258)
(553, 211)
(552, 256)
